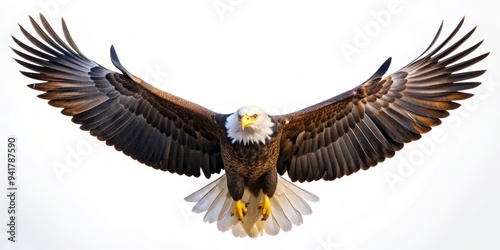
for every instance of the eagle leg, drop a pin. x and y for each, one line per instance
(265, 207)
(239, 209)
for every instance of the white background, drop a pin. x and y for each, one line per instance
(441, 192)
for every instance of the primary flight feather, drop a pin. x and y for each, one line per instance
(354, 130)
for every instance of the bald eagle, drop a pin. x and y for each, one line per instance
(339, 136)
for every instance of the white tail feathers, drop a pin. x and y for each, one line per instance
(288, 204)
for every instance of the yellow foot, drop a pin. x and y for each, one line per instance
(239, 209)
(265, 207)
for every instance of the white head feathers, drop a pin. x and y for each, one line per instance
(259, 127)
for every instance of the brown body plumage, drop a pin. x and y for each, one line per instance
(251, 166)
(337, 137)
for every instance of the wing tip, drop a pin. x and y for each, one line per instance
(381, 70)
(114, 58)
(116, 61)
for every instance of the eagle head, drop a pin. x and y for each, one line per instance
(249, 124)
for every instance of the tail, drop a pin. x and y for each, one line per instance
(288, 204)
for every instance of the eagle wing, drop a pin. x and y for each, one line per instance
(151, 126)
(363, 126)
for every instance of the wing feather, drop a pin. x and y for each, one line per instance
(364, 126)
(154, 127)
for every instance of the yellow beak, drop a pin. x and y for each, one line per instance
(245, 121)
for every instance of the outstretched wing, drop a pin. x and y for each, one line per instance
(360, 128)
(154, 127)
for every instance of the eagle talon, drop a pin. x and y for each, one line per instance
(240, 210)
(265, 208)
